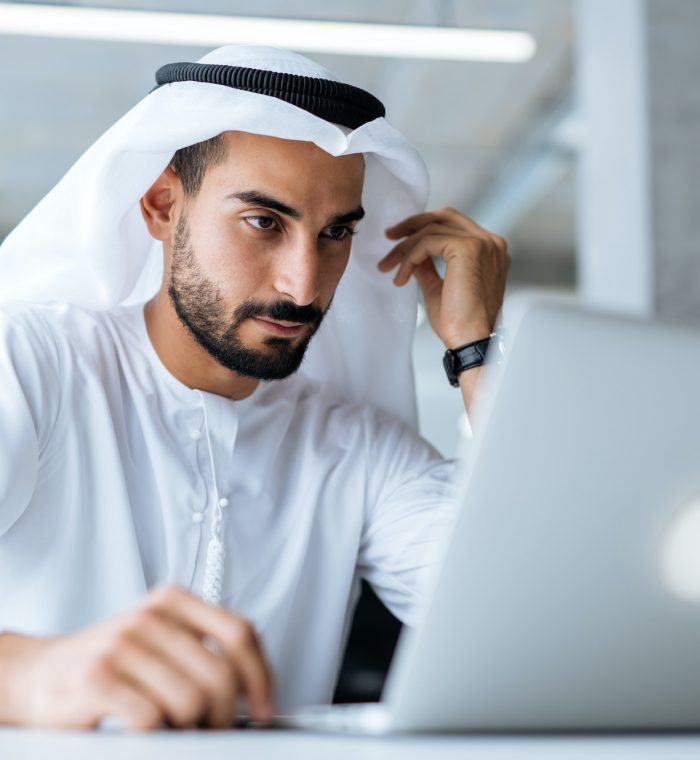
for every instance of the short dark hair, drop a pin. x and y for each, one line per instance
(191, 163)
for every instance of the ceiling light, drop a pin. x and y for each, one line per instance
(309, 36)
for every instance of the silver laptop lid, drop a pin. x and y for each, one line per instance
(551, 609)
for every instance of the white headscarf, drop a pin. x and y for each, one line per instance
(86, 243)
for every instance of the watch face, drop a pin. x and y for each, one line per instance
(448, 361)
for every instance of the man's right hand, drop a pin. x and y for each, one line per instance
(150, 666)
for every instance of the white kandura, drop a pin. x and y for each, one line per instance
(111, 472)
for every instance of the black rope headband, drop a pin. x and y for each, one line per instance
(333, 101)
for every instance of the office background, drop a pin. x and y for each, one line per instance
(584, 155)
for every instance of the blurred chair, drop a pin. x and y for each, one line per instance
(371, 644)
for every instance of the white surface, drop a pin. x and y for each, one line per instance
(21, 744)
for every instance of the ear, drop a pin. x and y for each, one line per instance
(158, 205)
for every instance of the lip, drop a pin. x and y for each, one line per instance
(276, 328)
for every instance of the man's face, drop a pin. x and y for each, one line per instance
(258, 253)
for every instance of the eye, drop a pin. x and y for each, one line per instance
(338, 232)
(263, 223)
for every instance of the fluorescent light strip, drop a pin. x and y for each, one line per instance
(386, 40)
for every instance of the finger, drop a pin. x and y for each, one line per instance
(423, 249)
(235, 636)
(403, 275)
(253, 674)
(122, 699)
(183, 703)
(492, 244)
(449, 216)
(414, 223)
(213, 673)
(395, 256)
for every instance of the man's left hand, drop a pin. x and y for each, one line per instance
(463, 306)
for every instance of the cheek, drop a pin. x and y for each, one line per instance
(235, 262)
(237, 266)
(332, 271)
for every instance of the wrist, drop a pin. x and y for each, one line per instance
(468, 334)
(16, 657)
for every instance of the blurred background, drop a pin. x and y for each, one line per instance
(583, 149)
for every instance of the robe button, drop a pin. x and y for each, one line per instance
(195, 435)
(223, 502)
(197, 517)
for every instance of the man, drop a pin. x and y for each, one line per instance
(144, 462)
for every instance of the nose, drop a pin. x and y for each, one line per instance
(297, 273)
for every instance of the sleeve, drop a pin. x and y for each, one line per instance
(28, 387)
(410, 504)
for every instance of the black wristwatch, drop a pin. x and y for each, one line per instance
(462, 358)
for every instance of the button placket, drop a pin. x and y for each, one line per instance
(219, 409)
(195, 435)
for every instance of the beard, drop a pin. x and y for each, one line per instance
(201, 308)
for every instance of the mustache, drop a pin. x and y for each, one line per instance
(280, 310)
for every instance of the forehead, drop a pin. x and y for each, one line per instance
(261, 158)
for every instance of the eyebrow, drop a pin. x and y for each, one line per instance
(262, 199)
(349, 216)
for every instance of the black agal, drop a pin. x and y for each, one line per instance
(333, 101)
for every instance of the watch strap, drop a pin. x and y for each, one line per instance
(462, 358)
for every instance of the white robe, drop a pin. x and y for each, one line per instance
(107, 488)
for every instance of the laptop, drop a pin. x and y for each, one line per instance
(568, 595)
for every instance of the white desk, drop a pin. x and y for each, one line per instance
(21, 744)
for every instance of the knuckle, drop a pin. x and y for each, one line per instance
(165, 594)
(246, 632)
(242, 633)
(222, 679)
(188, 706)
(139, 619)
(415, 257)
(149, 718)
(98, 675)
(114, 647)
(122, 641)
